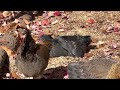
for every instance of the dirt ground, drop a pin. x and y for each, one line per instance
(102, 26)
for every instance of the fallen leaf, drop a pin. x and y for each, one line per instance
(15, 76)
(7, 13)
(105, 32)
(26, 21)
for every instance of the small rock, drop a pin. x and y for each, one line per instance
(96, 68)
(56, 21)
(8, 75)
(61, 30)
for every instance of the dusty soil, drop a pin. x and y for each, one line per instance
(93, 23)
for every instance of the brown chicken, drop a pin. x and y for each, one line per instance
(31, 58)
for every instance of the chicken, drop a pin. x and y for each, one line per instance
(32, 59)
(97, 68)
(75, 46)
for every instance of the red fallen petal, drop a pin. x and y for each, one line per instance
(45, 22)
(91, 21)
(57, 13)
(116, 29)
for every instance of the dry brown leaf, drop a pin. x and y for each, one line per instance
(7, 13)
(26, 21)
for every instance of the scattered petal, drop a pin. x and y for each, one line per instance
(57, 13)
(45, 22)
(51, 14)
(112, 44)
(66, 77)
(61, 30)
(64, 16)
(90, 21)
(110, 29)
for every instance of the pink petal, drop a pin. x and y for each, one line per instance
(91, 21)
(116, 29)
(66, 77)
(51, 13)
(45, 22)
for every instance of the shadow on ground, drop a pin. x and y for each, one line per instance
(55, 73)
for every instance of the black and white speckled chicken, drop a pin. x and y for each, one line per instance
(75, 46)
